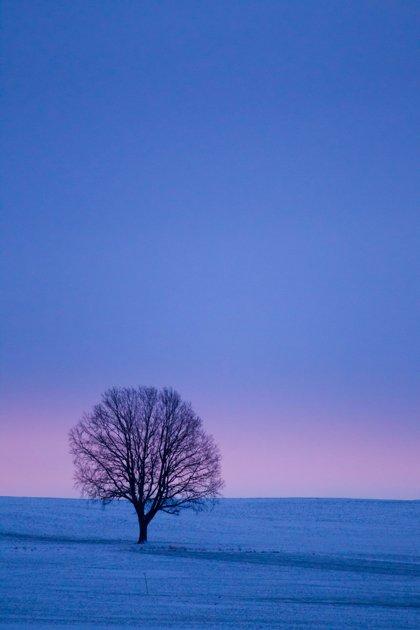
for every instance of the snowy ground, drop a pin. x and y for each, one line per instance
(248, 563)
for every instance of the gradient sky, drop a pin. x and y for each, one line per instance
(218, 196)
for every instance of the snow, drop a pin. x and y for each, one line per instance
(248, 563)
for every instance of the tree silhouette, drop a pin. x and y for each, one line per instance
(147, 446)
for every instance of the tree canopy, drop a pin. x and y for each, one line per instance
(147, 446)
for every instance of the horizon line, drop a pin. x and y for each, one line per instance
(222, 498)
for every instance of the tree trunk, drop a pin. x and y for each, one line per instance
(142, 530)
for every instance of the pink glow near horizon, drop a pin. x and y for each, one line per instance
(293, 456)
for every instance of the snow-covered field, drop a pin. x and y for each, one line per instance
(248, 563)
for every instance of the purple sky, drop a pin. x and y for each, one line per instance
(221, 197)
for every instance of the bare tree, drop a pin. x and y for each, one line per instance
(146, 446)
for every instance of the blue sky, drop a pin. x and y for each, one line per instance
(222, 197)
